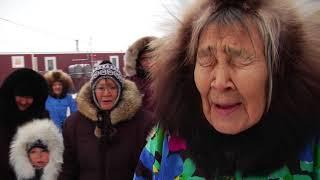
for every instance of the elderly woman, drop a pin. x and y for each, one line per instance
(104, 138)
(237, 87)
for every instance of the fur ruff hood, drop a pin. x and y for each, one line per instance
(129, 103)
(23, 82)
(131, 55)
(59, 76)
(48, 133)
(293, 116)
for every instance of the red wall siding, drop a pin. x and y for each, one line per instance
(63, 62)
(6, 64)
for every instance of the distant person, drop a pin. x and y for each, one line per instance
(36, 151)
(104, 137)
(138, 60)
(22, 98)
(59, 102)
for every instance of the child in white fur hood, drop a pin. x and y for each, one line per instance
(36, 151)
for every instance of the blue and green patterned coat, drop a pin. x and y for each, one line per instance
(164, 158)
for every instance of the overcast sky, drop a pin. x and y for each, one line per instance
(99, 25)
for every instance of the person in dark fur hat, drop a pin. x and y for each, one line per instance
(137, 66)
(59, 99)
(22, 97)
(103, 139)
(237, 87)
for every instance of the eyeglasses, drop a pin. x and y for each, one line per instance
(100, 89)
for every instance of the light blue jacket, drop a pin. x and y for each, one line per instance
(57, 108)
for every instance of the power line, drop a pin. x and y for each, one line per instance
(38, 30)
(170, 12)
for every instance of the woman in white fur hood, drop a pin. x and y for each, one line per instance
(39, 130)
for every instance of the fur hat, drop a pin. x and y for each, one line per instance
(106, 70)
(23, 82)
(39, 132)
(133, 53)
(59, 76)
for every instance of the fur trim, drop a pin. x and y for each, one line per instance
(45, 130)
(60, 76)
(295, 97)
(24, 82)
(132, 54)
(129, 104)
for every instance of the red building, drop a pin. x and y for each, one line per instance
(43, 62)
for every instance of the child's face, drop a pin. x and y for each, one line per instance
(39, 157)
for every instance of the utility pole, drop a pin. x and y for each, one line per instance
(77, 45)
(90, 50)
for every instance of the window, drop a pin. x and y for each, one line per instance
(50, 63)
(115, 60)
(34, 63)
(17, 61)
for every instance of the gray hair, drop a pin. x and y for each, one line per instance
(267, 25)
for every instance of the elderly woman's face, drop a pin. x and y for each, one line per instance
(231, 76)
(106, 92)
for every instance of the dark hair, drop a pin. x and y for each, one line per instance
(23, 82)
(37, 144)
(141, 72)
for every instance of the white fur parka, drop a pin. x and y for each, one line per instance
(39, 129)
